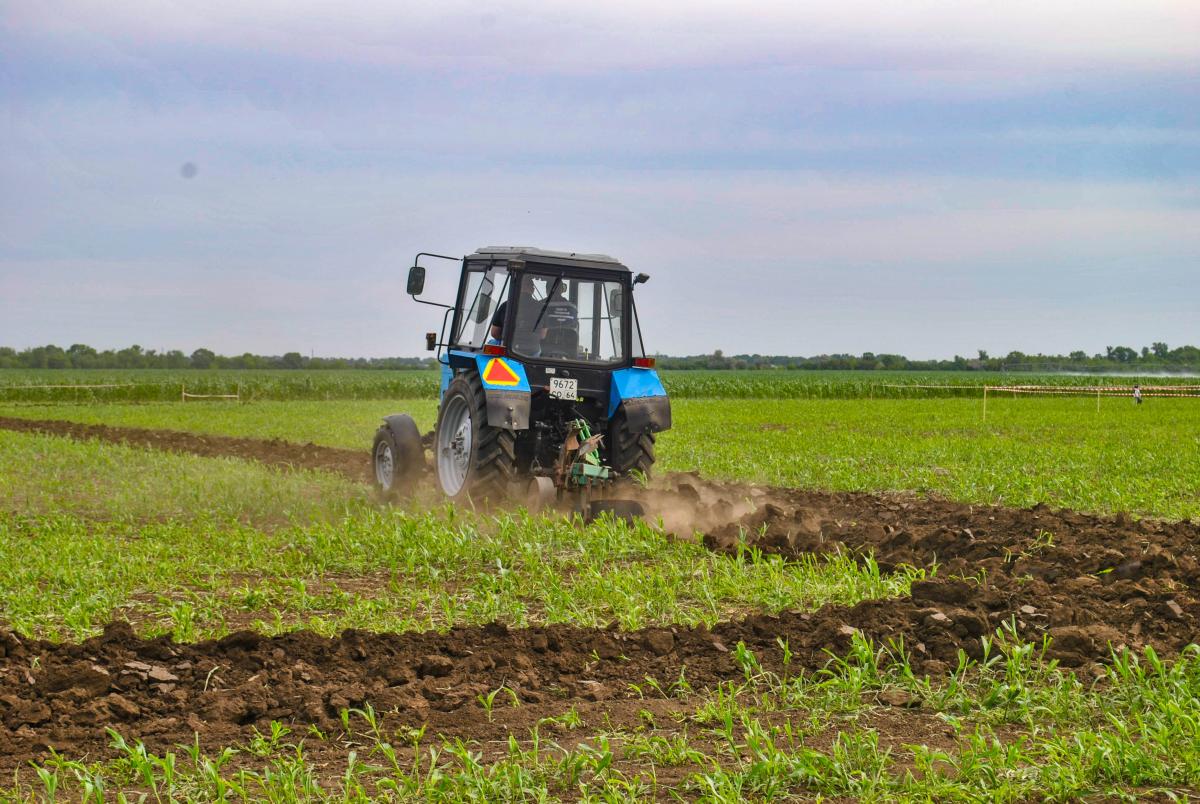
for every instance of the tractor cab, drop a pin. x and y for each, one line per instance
(547, 306)
(563, 316)
(545, 384)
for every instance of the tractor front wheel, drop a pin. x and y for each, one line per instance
(397, 457)
(473, 460)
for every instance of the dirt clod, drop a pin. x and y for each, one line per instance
(606, 647)
(121, 707)
(161, 674)
(895, 697)
(436, 666)
(660, 642)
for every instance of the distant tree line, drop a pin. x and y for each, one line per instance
(1154, 358)
(81, 356)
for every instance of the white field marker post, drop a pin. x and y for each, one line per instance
(1097, 400)
(985, 390)
(183, 392)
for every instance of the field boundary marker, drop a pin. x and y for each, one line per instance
(1148, 391)
(1185, 391)
(184, 396)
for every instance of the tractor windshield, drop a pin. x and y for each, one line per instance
(570, 318)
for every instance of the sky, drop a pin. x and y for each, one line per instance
(924, 178)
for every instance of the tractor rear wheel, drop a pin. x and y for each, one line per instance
(473, 460)
(630, 452)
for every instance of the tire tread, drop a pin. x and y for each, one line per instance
(630, 451)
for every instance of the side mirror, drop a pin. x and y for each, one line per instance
(615, 302)
(641, 279)
(416, 280)
(430, 341)
(483, 309)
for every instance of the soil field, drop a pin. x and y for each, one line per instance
(353, 464)
(1091, 584)
(1083, 585)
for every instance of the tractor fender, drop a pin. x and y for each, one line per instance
(505, 387)
(404, 429)
(641, 394)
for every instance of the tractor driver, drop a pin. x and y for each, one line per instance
(537, 318)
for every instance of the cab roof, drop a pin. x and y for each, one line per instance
(539, 255)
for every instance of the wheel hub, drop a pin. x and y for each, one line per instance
(454, 446)
(385, 466)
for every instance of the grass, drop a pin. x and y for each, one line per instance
(1061, 452)
(198, 548)
(1145, 460)
(1010, 728)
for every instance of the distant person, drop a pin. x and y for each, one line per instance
(1137, 394)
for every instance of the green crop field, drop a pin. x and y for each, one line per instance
(112, 521)
(1061, 452)
(194, 548)
(281, 385)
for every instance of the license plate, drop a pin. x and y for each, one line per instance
(561, 388)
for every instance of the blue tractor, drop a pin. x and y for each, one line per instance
(547, 395)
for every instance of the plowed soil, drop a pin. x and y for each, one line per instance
(354, 464)
(1089, 583)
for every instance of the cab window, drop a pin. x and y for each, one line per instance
(484, 289)
(568, 318)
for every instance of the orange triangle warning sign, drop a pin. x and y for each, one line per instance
(498, 372)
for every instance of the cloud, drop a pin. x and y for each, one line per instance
(920, 177)
(315, 260)
(529, 36)
(782, 119)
